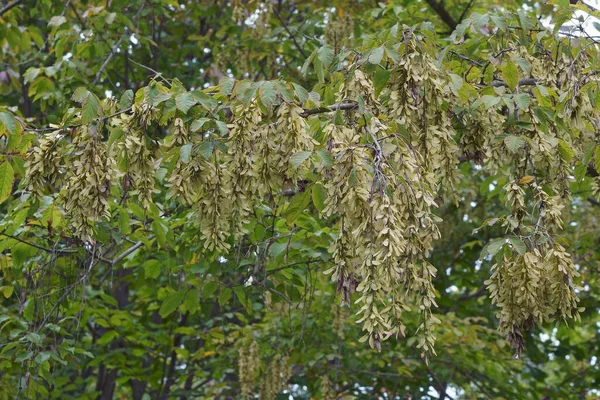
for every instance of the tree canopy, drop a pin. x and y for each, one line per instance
(325, 199)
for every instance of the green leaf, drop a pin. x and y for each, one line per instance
(9, 122)
(514, 143)
(240, 293)
(80, 95)
(580, 171)
(524, 19)
(184, 152)
(7, 291)
(499, 21)
(171, 302)
(159, 231)
(522, 100)
(267, 94)
(222, 126)
(57, 20)
(185, 101)
(90, 109)
(297, 205)
(152, 268)
(224, 296)
(518, 245)
(565, 150)
(300, 92)
(298, 158)
(495, 245)
(325, 55)
(490, 101)
(597, 159)
(124, 222)
(7, 178)
(510, 74)
(209, 288)
(226, 85)
(126, 100)
(376, 55)
(192, 301)
(325, 157)
(380, 80)
(319, 195)
(198, 124)
(206, 148)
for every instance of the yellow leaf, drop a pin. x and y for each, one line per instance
(526, 179)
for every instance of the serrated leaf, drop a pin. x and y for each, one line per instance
(240, 293)
(524, 20)
(126, 100)
(580, 171)
(522, 101)
(222, 126)
(565, 151)
(499, 21)
(171, 302)
(510, 74)
(224, 296)
(325, 157)
(489, 101)
(198, 124)
(152, 268)
(319, 195)
(325, 55)
(185, 101)
(380, 79)
(159, 232)
(376, 55)
(9, 122)
(7, 178)
(300, 92)
(206, 149)
(514, 143)
(124, 223)
(90, 109)
(267, 94)
(209, 288)
(184, 152)
(518, 245)
(57, 20)
(495, 245)
(298, 158)
(297, 205)
(226, 85)
(80, 95)
(192, 301)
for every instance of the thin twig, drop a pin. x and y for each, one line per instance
(37, 246)
(300, 49)
(7, 7)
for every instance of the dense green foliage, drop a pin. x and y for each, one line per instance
(323, 199)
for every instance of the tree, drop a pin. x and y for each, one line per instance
(322, 199)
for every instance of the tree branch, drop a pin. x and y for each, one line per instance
(443, 14)
(344, 106)
(37, 246)
(9, 6)
(300, 49)
(522, 82)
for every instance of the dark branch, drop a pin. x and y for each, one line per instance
(9, 6)
(522, 82)
(347, 106)
(443, 14)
